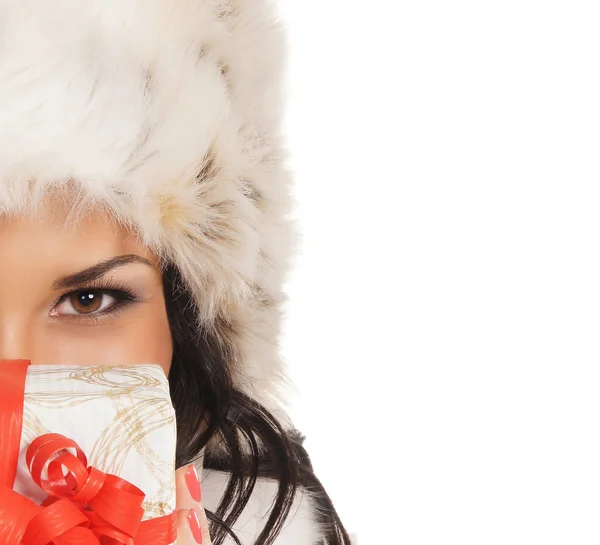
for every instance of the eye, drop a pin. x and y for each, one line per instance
(88, 302)
(91, 303)
(84, 302)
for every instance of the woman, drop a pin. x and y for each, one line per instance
(143, 201)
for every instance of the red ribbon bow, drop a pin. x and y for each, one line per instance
(84, 505)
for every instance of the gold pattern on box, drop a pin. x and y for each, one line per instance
(121, 416)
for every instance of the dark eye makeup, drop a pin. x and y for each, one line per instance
(119, 291)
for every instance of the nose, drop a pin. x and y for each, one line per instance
(15, 339)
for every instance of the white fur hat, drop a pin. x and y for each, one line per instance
(166, 113)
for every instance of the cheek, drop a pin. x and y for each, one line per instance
(139, 343)
(140, 338)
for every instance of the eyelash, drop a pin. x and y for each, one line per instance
(122, 294)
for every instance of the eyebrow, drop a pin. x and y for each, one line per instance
(97, 271)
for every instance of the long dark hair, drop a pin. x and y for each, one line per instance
(251, 441)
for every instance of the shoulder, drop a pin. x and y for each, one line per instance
(300, 527)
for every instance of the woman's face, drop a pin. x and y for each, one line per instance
(90, 295)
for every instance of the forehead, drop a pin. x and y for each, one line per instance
(52, 235)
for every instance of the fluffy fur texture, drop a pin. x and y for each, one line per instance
(166, 113)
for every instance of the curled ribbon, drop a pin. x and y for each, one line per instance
(85, 506)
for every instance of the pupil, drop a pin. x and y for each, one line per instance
(86, 298)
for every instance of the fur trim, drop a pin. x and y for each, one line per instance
(165, 113)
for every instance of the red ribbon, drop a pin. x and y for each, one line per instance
(85, 506)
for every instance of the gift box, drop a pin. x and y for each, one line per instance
(88, 455)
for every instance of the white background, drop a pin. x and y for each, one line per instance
(444, 321)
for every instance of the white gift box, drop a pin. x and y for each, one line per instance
(121, 417)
